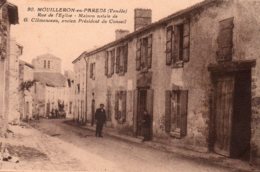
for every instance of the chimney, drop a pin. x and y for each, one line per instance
(121, 33)
(143, 17)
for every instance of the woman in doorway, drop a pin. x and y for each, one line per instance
(146, 123)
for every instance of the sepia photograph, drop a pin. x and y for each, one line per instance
(130, 85)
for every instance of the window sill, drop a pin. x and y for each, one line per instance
(178, 64)
(176, 133)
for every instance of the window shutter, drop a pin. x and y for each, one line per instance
(225, 40)
(168, 111)
(186, 41)
(169, 46)
(112, 61)
(117, 59)
(150, 49)
(183, 111)
(125, 58)
(106, 63)
(124, 100)
(135, 100)
(91, 70)
(138, 55)
(176, 39)
(116, 104)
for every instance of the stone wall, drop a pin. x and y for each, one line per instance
(4, 56)
(14, 82)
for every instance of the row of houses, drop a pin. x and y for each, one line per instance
(24, 85)
(196, 71)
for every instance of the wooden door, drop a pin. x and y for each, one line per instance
(149, 107)
(224, 93)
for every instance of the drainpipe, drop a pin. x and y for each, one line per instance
(86, 92)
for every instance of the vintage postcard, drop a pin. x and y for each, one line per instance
(130, 85)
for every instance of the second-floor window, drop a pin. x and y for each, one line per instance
(78, 86)
(92, 71)
(121, 59)
(49, 64)
(178, 44)
(110, 63)
(144, 53)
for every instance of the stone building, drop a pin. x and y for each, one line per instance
(69, 92)
(9, 16)
(80, 97)
(196, 71)
(51, 85)
(26, 94)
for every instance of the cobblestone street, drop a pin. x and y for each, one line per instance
(58, 146)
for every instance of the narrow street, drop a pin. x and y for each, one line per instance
(70, 148)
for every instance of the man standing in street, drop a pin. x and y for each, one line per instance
(100, 117)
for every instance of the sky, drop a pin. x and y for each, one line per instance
(68, 40)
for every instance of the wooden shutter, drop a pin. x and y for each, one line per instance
(112, 67)
(168, 111)
(138, 54)
(91, 70)
(124, 101)
(106, 63)
(225, 40)
(135, 110)
(125, 58)
(118, 59)
(176, 47)
(149, 51)
(169, 46)
(183, 112)
(186, 41)
(116, 104)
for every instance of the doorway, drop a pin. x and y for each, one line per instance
(232, 114)
(144, 101)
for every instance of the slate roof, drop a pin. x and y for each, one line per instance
(50, 79)
(26, 63)
(188, 10)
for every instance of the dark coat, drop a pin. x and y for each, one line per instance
(100, 115)
(147, 121)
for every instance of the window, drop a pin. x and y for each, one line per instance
(144, 53)
(78, 85)
(69, 83)
(44, 65)
(120, 106)
(225, 40)
(121, 59)
(176, 105)
(92, 71)
(110, 63)
(48, 64)
(177, 44)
